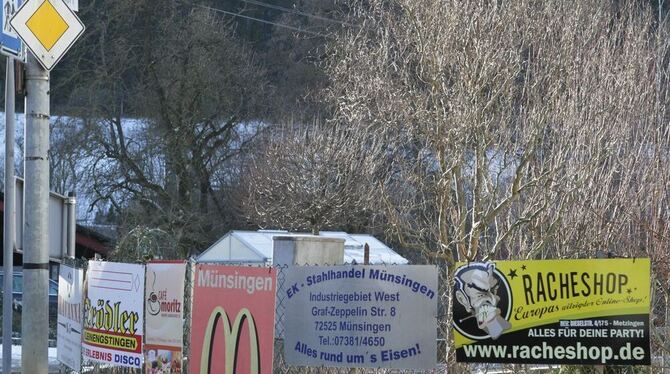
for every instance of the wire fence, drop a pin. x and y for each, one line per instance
(445, 361)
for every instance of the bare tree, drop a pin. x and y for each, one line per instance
(169, 99)
(506, 115)
(313, 178)
(518, 129)
(296, 53)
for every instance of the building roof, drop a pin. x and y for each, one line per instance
(259, 245)
(94, 240)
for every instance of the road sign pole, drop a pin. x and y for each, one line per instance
(48, 29)
(9, 220)
(71, 223)
(35, 316)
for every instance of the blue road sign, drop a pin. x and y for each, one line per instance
(10, 44)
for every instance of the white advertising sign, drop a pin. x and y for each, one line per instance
(164, 304)
(114, 314)
(70, 285)
(361, 316)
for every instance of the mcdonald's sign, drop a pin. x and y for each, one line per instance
(231, 340)
(232, 330)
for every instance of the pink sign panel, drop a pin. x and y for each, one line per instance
(232, 327)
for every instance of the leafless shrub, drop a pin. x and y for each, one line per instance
(313, 178)
(512, 122)
(535, 129)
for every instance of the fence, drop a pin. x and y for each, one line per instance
(444, 359)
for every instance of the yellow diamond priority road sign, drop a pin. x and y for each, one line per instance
(48, 27)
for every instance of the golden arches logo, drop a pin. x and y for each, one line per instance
(231, 336)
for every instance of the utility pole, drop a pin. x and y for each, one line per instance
(48, 40)
(9, 220)
(35, 317)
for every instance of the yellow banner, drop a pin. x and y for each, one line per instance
(113, 341)
(496, 298)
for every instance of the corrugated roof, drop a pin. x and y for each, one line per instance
(260, 243)
(380, 253)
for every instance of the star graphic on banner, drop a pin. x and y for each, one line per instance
(629, 291)
(512, 273)
(523, 267)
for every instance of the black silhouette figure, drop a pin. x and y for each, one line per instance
(9, 12)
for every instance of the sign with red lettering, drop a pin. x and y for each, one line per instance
(164, 313)
(114, 314)
(232, 330)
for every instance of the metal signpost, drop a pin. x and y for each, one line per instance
(9, 229)
(48, 28)
(10, 45)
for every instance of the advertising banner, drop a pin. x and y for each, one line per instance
(164, 313)
(553, 312)
(70, 313)
(232, 326)
(361, 316)
(114, 314)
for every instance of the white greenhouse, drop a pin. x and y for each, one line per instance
(256, 247)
